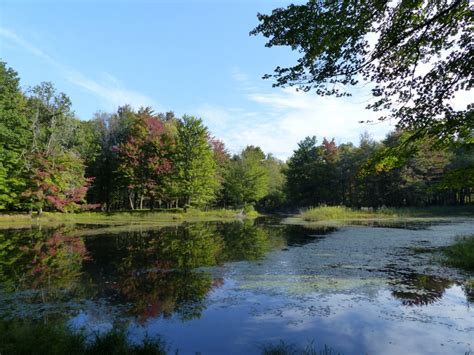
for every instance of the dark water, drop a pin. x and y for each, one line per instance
(220, 288)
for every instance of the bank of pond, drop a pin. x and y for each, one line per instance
(269, 285)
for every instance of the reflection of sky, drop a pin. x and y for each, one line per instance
(354, 324)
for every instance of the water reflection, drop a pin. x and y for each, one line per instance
(154, 272)
(414, 289)
(194, 273)
(47, 261)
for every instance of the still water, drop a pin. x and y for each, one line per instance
(232, 288)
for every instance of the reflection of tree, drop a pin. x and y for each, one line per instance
(418, 289)
(155, 293)
(45, 260)
(469, 290)
(244, 241)
(153, 270)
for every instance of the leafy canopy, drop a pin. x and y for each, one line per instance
(417, 53)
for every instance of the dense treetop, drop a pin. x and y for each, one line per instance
(417, 55)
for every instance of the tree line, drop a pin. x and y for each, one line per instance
(137, 159)
(128, 159)
(375, 174)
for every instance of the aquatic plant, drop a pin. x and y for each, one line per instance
(328, 213)
(461, 254)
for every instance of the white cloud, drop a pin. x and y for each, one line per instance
(109, 90)
(285, 117)
(13, 37)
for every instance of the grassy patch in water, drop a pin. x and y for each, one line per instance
(335, 213)
(36, 338)
(137, 216)
(461, 253)
(283, 348)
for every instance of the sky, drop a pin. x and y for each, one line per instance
(191, 57)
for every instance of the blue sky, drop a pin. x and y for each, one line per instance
(193, 57)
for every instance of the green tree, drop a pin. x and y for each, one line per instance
(275, 197)
(14, 137)
(246, 180)
(333, 38)
(301, 185)
(194, 163)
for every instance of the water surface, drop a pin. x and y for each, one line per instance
(233, 287)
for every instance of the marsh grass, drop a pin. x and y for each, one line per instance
(126, 217)
(461, 253)
(283, 348)
(337, 213)
(37, 338)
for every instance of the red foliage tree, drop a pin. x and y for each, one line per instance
(57, 183)
(144, 155)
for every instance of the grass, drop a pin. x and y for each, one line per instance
(126, 217)
(283, 348)
(340, 213)
(37, 338)
(461, 254)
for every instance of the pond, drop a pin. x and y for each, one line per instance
(232, 288)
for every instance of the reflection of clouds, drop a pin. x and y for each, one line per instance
(355, 324)
(371, 326)
(91, 324)
(441, 328)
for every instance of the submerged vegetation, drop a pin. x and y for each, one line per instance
(461, 254)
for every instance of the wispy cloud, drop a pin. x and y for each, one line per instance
(110, 91)
(280, 118)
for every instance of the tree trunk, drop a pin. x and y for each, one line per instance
(130, 198)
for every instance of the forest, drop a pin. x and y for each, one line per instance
(135, 159)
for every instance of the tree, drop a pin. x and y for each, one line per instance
(194, 163)
(246, 180)
(57, 182)
(222, 159)
(275, 197)
(14, 137)
(52, 121)
(301, 185)
(144, 157)
(422, 56)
